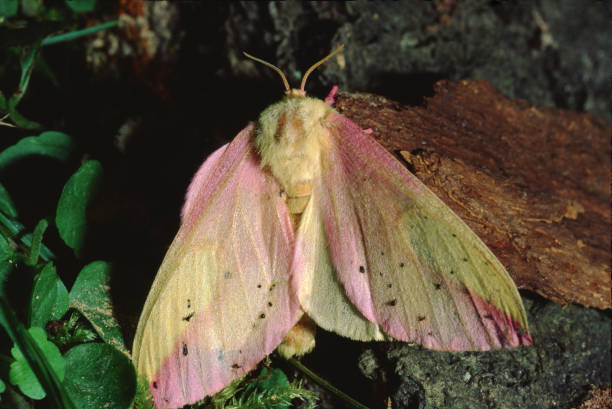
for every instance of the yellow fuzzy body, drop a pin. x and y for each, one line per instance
(290, 137)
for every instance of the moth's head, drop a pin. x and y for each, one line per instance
(293, 92)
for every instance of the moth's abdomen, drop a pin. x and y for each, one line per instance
(297, 198)
(301, 338)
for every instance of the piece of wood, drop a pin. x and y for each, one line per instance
(533, 182)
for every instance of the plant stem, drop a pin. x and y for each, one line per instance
(79, 33)
(347, 399)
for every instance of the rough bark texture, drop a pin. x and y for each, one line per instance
(599, 398)
(531, 181)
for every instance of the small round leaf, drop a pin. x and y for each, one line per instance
(99, 376)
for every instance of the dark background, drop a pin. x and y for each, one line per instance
(152, 100)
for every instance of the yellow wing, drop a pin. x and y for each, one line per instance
(221, 300)
(404, 259)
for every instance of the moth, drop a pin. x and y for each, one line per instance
(305, 218)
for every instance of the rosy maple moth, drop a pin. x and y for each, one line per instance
(304, 217)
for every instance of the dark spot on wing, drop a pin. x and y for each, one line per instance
(272, 287)
(185, 351)
(464, 259)
(452, 272)
(389, 285)
(402, 265)
(489, 316)
(269, 304)
(421, 318)
(382, 253)
(361, 269)
(188, 303)
(227, 275)
(236, 366)
(486, 264)
(392, 303)
(438, 286)
(454, 235)
(262, 315)
(258, 285)
(188, 317)
(154, 385)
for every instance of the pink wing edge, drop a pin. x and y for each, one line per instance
(200, 177)
(166, 387)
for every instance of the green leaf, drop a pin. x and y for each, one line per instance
(2, 386)
(90, 295)
(27, 65)
(5, 248)
(71, 217)
(274, 382)
(20, 120)
(6, 203)
(99, 376)
(8, 8)
(39, 230)
(277, 380)
(57, 145)
(21, 373)
(81, 6)
(270, 390)
(72, 35)
(15, 230)
(33, 353)
(6, 268)
(50, 299)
